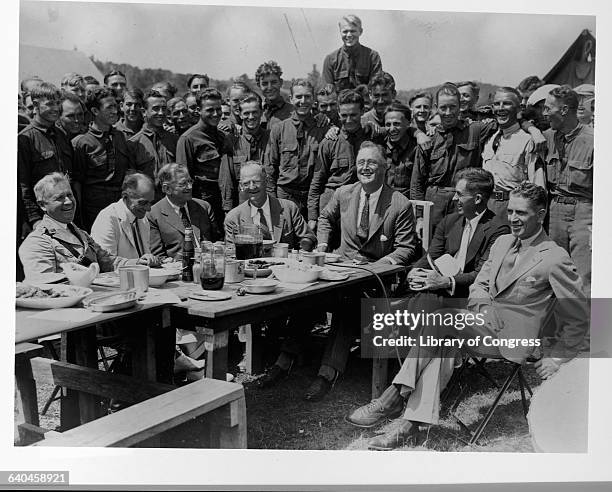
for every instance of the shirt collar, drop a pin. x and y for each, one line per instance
(147, 130)
(569, 136)
(265, 207)
(525, 243)
(348, 135)
(511, 130)
(55, 223)
(42, 128)
(402, 144)
(98, 133)
(461, 124)
(373, 196)
(474, 221)
(175, 207)
(252, 136)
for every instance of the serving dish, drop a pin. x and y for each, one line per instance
(65, 295)
(260, 286)
(109, 302)
(297, 274)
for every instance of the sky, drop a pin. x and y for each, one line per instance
(419, 49)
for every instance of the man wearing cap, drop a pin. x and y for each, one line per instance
(510, 153)
(353, 63)
(586, 103)
(570, 179)
(534, 110)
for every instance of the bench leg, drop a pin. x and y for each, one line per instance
(25, 398)
(253, 349)
(226, 426)
(216, 352)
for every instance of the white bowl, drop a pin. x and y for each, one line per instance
(80, 275)
(158, 276)
(299, 275)
(260, 286)
(76, 295)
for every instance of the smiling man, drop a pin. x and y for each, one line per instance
(152, 146)
(382, 93)
(527, 283)
(268, 78)
(293, 147)
(421, 106)
(400, 147)
(353, 63)
(510, 153)
(201, 149)
(41, 147)
(131, 108)
(57, 240)
(101, 156)
(122, 228)
(198, 82)
(116, 80)
(570, 178)
(374, 224)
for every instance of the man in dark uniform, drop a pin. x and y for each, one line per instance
(131, 107)
(201, 148)
(327, 103)
(152, 146)
(382, 93)
(249, 145)
(353, 63)
(293, 147)
(115, 79)
(101, 156)
(456, 145)
(71, 121)
(400, 147)
(268, 79)
(41, 148)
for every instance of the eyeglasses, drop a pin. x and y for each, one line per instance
(184, 185)
(252, 182)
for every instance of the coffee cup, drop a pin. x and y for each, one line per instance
(234, 271)
(134, 277)
(281, 250)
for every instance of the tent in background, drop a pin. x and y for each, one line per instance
(51, 64)
(577, 65)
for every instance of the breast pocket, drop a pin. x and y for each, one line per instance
(339, 165)
(581, 174)
(289, 157)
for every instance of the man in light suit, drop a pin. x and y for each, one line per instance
(375, 224)
(169, 217)
(122, 228)
(527, 282)
(56, 239)
(279, 219)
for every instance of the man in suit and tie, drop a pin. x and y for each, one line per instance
(122, 228)
(278, 219)
(170, 216)
(375, 224)
(527, 282)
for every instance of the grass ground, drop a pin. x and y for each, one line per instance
(278, 418)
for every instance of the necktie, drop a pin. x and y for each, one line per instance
(185, 217)
(364, 222)
(137, 238)
(263, 224)
(509, 261)
(465, 242)
(496, 141)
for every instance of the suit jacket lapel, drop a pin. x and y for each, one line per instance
(278, 221)
(527, 260)
(378, 218)
(352, 213)
(454, 236)
(496, 266)
(171, 216)
(195, 216)
(481, 229)
(125, 224)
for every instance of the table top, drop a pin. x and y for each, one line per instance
(33, 324)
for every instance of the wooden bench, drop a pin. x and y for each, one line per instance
(156, 408)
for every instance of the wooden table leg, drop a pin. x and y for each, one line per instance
(216, 352)
(85, 355)
(253, 349)
(25, 397)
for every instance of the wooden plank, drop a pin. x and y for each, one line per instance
(380, 369)
(25, 389)
(85, 355)
(33, 349)
(234, 435)
(151, 417)
(216, 343)
(95, 382)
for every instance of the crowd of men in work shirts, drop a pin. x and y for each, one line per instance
(308, 146)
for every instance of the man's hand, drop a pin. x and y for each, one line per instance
(547, 367)
(226, 127)
(332, 133)
(419, 228)
(423, 140)
(430, 279)
(149, 260)
(322, 120)
(313, 225)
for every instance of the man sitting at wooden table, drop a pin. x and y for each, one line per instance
(57, 240)
(375, 224)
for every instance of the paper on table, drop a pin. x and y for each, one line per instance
(64, 314)
(159, 296)
(448, 266)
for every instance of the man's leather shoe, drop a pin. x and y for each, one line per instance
(318, 389)
(374, 412)
(272, 377)
(402, 432)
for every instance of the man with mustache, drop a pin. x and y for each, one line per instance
(201, 149)
(510, 153)
(353, 63)
(152, 146)
(41, 148)
(101, 156)
(375, 224)
(293, 147)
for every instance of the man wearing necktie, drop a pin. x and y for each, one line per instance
(528, 291)
(122, 228)
(373, 223)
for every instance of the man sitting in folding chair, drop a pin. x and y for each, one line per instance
(527, 281)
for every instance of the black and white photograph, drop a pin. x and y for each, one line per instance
(365, 230)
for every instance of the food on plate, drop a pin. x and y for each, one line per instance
(25, 291)
(252, 264)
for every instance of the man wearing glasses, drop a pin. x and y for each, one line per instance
(171, 215)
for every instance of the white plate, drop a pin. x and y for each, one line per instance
(77, 295)
(209, 295)
(333, 276)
